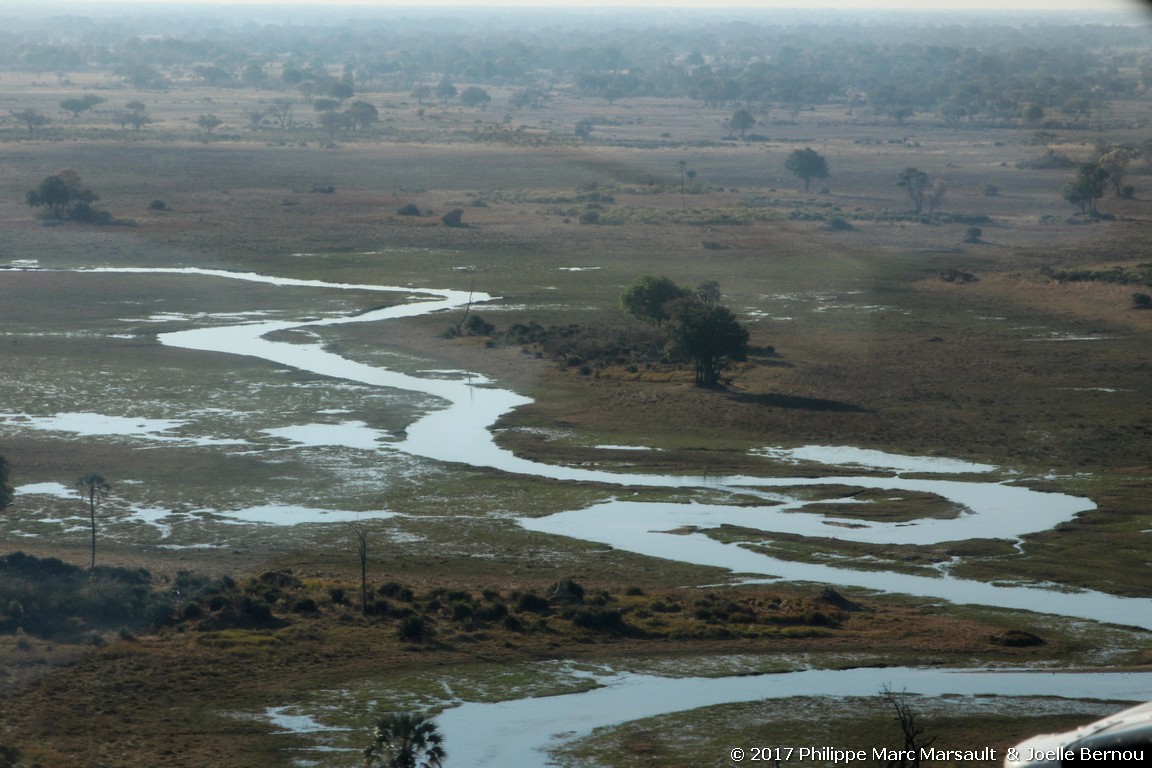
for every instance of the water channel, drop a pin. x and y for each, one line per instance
(472, 405)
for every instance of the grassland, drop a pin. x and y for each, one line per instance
(871, 349)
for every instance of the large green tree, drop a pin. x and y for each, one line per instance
(82, 104)
(405, 740)
(741, 121)
(1088, 186)
(806, 164)
(648, 297)
(64, 195)
(474, 96)
(709, 335)
(93, 489)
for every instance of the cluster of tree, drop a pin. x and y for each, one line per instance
(1093, 180)
(64, 197)
(698, 328)
(915, 183)
(46, 597)
(961, 73)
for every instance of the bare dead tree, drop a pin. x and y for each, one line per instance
(467, 308)
(913, 732)
(361, 534)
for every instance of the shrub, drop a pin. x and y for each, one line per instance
(305, 605)
(408, 210)
(158, 205)
(609, 620)
(532, 603)
(568, 591)
(397, 591)
(1016, 638)
(414, 629)
(454, 218)
(1141, 301)
(478, 326)
(590, 216)
(493, 612)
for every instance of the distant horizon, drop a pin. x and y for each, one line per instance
(917, 6)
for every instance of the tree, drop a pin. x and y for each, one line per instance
(133, 115)
(6, 491)
(335, 121)
(915, 183)
(64, 195)
(707, 334)
(76, 106)
(530, 97)
(32, 119)
(405, 740)
(362, 114)
(1115, 164)
(683, 164)
(214, 75)
(361, 534)
(1087, 187)
(324, 104)
(741, 121)
(340, 90)
(473, 96)
(936, 194)
(208, 123)
(709, 293)
(93, 489)
(647, 299)
(913, 733)
(1032, 113)
(445, 90)
(280, 110)
(806, 164)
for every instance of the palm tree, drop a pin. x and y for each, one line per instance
(406, 740)
(93, 488)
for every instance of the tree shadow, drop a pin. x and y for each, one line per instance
(774, 400)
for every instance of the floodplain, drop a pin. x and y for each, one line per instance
(890, 349)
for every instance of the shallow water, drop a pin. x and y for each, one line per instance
(512, 734)
(461, 431)
(518, 733)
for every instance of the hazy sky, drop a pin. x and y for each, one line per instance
(919, 5)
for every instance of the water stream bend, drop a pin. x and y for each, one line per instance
(994, 510)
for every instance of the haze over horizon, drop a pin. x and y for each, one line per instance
(918, 6)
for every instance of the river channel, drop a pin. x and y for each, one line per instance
(473, 404)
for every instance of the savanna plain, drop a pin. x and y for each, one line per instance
(962, 275)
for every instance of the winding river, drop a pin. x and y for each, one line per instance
(472, 406)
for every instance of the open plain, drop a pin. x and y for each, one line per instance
(240, 482)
